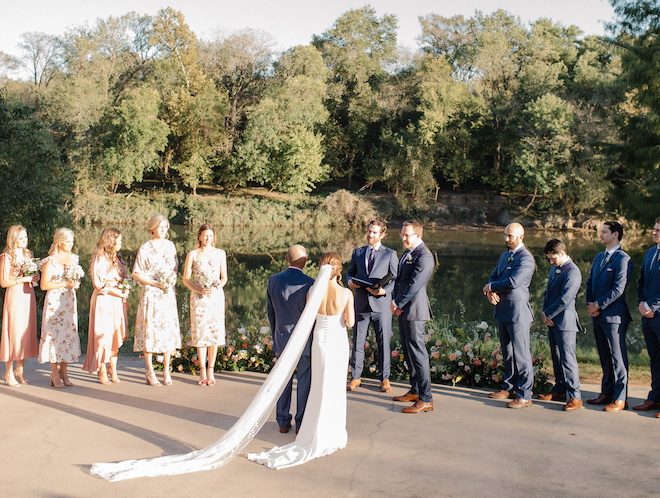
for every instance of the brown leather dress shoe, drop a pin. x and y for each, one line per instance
(500, 394)
(601, 399)
(284, 430)
(419, 407)
(385, 386)
(647, 405)
(406, 397)
(552, 397)
(353, 384)
(573, 404)
(519, 403)
(616, 406)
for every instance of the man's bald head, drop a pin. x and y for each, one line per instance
(296, 256)
(513, 235)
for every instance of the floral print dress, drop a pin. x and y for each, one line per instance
(207, 313)
(59, 325)
(157, 324)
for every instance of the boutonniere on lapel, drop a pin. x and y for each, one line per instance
(608, 259)
(558, 271)
(510, 259)
(409, 257)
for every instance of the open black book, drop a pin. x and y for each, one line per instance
(373, 283)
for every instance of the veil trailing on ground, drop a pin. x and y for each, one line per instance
(246, 427)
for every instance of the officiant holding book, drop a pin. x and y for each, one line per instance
(371, 275)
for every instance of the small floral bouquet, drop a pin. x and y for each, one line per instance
(29, 267)
(125, 284)
(74, 272)
(167, 280)
(203, 278)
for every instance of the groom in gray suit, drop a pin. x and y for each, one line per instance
(508, 290)
(286, 295)
(411, 304)
(372, 305)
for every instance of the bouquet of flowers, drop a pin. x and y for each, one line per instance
(125, 284)
(29, 267)
(204, 279)
(167, 280)
(74, 272)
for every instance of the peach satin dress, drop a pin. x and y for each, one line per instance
(19, 316)
(107, 314)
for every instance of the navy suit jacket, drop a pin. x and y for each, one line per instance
(560, 294)
(510, 280)
(409, 294)
(286, 296)
(648, 284)
(606, 286)
(384, 261)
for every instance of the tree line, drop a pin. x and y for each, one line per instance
(549, 117)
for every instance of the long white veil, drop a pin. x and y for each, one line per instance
(246, 427)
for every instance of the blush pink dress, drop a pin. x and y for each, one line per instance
(19, 316)
(107, 314)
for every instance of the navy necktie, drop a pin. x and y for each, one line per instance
(370, 264)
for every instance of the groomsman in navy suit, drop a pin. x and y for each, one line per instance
(606, 304)
(286, 295)
(561, 318)
(508, 290)
(373, 261)
(648, 296)
(411, 304)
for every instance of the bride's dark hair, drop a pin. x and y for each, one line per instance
(332, 258)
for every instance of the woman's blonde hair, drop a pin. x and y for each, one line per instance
(13, 234)
(204, 228)
(332, 258)
(155, 221)
(61, 235)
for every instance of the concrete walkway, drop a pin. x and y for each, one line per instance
(469, 446)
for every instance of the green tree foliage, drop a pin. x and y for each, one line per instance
(34, 184)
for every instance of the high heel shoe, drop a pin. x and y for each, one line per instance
(9, 382)
(167, 379)
(103, 377)
(151, 380)
(57, 382)
(113, 375)
(211, 379)
(65, 380)
(20, 377)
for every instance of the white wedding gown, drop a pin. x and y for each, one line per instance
(242, 432)
(323, 429)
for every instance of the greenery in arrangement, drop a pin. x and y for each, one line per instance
(139, 106)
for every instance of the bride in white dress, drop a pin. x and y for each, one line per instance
(242, 432)
(323, 429)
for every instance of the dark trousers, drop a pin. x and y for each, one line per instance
(651, 329)
(611, 344)
(304, 376)
(416, 357)
(564, 362)
(518, 370)
(382, 323)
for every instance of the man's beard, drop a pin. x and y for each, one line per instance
(509, 245)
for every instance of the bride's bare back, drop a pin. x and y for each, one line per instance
(336, 300)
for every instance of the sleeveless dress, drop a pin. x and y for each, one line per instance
(323, 429)
(157, 323)
(107, 314)
(59, 324)
(207, 313)
(255, 416)
(19, 317)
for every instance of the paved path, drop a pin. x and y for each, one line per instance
(469, 446)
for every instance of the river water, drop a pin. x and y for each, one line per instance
(464, 261)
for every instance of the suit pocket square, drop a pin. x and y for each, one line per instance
(508, 267)
(610, 269)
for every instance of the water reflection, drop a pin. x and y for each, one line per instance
(464, 261)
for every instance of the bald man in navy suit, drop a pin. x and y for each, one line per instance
(648, 297)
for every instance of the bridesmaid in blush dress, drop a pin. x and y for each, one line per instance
(157, 322)
(107, 311)
(205, 274)
(59, 324)
(19, 313)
